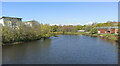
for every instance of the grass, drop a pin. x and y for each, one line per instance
(94, 35)
(109, 36)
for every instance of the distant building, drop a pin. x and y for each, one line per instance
(109, 30)
(12, 22)
(31, 23)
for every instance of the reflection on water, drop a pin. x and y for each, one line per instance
(119, 49)
(110, 41)
(65, 49)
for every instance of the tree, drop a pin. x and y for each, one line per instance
(94, 31)
(79, 27)
(25, 33)
(54, 28)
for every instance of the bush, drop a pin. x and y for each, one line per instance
(24, 33)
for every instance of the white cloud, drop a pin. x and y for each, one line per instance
(55, 24)
(90, 23)
(68, 24)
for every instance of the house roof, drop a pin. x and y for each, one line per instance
(107, 27)
(10, 17)
(31, 21)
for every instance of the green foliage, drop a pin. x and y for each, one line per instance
(103, 25)
(79, 27)
(94, 31)
(109, 36)
(54, 28)
(88, 28)
(66, 28)
(25, 33)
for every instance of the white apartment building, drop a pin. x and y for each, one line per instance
(12, 22)
(31, 23)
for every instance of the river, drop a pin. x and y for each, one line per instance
(65, 49)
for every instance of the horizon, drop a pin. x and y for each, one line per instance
(90, 23)
(64, 13)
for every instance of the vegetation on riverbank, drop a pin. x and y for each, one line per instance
(113, 37)
(109, 37)
(24, 33)
(90, 30)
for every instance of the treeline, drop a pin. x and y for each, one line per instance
(25, 33)
(73, 29)
(65, 28)
(88, 28)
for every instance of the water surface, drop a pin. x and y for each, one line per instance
(65, 49)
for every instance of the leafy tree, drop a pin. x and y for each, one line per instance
(94, 31)
(54, 28)
(25, 33)
(79, 27)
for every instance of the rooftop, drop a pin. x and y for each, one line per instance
(10, 17)
(108, 27)
(33, 21)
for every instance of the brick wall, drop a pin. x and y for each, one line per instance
(102, 30)
(106, 30)
(112, 30)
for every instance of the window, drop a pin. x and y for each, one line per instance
(9, 23)
(19, 19)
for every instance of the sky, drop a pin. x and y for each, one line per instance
(62, 12)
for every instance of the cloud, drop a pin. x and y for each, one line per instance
(90, 23)
(54, 24)
(68, 24)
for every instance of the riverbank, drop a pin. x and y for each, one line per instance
(43, 36)
(27, 40)
(76, 33)
(112, 37)
(109, 37)
(102, 36)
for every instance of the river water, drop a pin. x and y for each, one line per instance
(65, 49)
